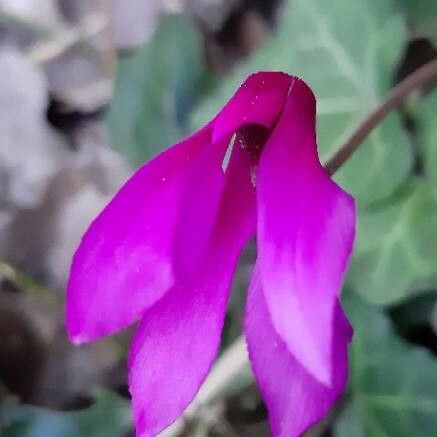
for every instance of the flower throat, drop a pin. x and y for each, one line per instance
(252, 138)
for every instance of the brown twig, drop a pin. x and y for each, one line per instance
(397, 95)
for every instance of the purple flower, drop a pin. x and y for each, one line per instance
(164, 251)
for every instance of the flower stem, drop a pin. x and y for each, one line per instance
(397, 95)
(225, 371)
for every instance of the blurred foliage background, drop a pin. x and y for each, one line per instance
(91, 89)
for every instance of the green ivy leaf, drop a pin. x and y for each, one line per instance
(394, 385)
(347, 51)
(427, 132)
(154, 90)
(396, 250)
(350, 423)
(422, 14)
(109, 416)
(379, 165)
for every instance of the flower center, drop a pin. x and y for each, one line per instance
(252, 138)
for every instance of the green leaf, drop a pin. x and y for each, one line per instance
(422, 14)
(154, 90)
(346, 51)
(396, 250)
(380, 165)
(350, 423)
(427, 132)
(393, 384)
(110, 416)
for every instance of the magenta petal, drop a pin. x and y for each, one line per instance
(123, 264)
(259, 100)
(178, 337)
(305, 235)
(198, 211)
(295, 399)
(173, 350)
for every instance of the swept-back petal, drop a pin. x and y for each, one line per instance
(305, 235)
(178, 337)
(295, 399)
(123, 264)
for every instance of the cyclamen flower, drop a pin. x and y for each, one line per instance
(164, 251)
